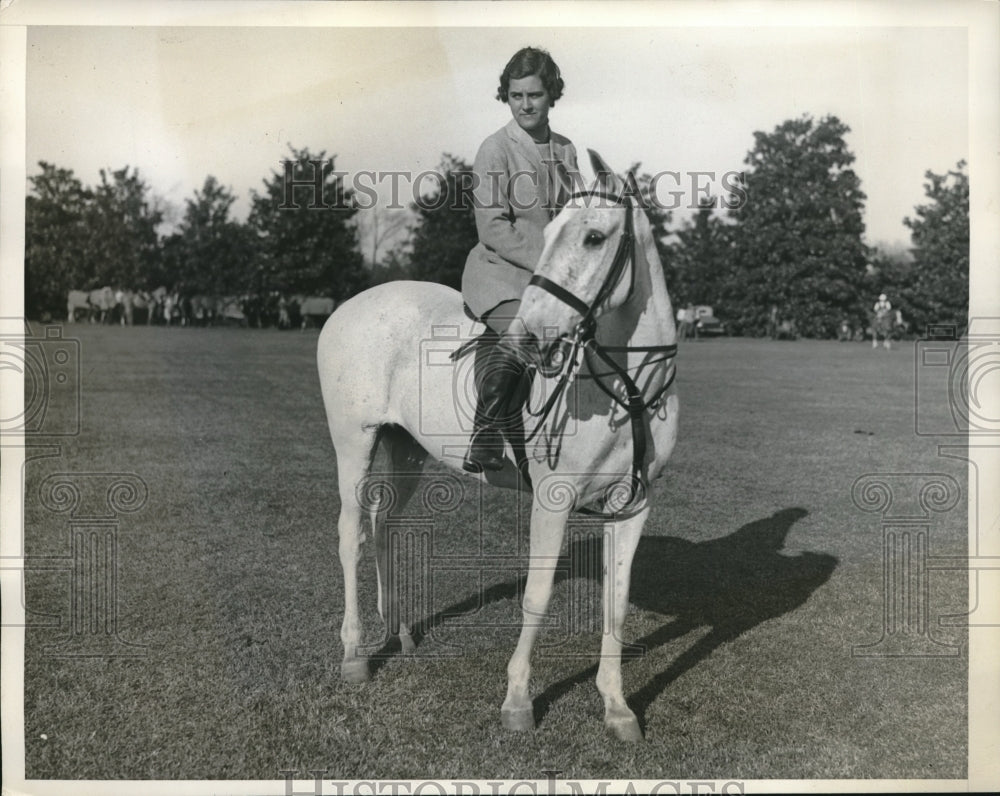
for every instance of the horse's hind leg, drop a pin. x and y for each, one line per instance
(405, 463)
(354, 459)
(621, 540)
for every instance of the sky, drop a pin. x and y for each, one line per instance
(181, 103)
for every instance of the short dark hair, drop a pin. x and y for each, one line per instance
(532, 61)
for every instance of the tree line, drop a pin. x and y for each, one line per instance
(796, 242)
(82, 237)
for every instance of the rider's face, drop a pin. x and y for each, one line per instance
(529, 104)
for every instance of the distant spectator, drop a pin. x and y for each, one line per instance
(773, 322)
(284, 321)
(686, 326)
(683, 323)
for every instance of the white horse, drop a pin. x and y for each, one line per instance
(315, 310)
(597, 302)
(77, 300)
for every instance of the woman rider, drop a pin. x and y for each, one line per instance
(524, 173)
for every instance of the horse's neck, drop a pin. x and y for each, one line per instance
(647, 318)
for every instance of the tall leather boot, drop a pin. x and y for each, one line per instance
(501, 377)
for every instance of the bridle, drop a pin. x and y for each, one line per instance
(583, 345)
(623, 255)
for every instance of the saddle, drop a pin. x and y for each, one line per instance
(480, 346)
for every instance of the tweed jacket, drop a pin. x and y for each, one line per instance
(515, 194)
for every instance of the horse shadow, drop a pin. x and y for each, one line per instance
(729, 585)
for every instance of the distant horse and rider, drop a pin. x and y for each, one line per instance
(884, 322)
(98, 304)
(135, 306)
(779, 327)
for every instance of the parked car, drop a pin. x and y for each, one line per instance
(706, 324)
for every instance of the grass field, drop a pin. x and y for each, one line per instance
(757, 578)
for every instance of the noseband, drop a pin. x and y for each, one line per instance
(583, 340)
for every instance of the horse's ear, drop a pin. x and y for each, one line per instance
(632, 189)
(606, 178)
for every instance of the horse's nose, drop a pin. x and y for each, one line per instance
(547, 356)
(524, 343)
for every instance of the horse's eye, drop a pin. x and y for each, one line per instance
(594, 238)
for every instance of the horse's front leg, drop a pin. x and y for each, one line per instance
(621, 540)
(547, 528)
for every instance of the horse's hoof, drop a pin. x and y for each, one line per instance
(407, 644)
(355, 671)
(518, 719)
(625, 728)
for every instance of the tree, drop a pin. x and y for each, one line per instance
(56, 241)
(699, 258)
(798, 239)
(122, 223)
(82, 238)
(939, 287)
(212, 253)
(445, 229)
(379, 226)
(395, 265)
(659, 217)
(306, 242)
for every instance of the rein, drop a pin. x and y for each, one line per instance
(583, 345)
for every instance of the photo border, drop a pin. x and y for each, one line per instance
(980, 19)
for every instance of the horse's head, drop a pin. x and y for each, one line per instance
(588, 264)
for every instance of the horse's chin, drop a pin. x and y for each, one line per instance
(550, 362)
(548, 358)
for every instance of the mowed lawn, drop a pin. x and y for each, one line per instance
(757, 578)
